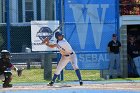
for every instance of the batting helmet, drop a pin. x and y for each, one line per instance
(58, 34)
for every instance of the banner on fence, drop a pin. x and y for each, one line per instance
(89, 25)
(90, 61)
(39, 32)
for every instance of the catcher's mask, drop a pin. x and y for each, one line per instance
(5, 54)
(58, 34)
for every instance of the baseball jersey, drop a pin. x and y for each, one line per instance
(114, 46)
(131, 48)
(64, 47)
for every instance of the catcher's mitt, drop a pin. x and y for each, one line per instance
(19, 72)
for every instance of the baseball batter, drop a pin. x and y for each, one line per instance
(68, 55)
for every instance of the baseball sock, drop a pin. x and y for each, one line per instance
(78, 74)
(54, 77)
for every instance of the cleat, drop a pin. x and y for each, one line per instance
(50, 84)
(81, 83)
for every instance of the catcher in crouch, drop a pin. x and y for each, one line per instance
(5, 69)
(68, 55)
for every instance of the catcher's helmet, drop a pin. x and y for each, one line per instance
(5, 53)
(58, 34)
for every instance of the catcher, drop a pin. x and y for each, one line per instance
(5, 69)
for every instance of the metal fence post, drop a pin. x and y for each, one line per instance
(47, 67)
(42, 60)
(28, 50)
(8, 25)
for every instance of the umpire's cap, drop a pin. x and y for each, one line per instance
(58, 34)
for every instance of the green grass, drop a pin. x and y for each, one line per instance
(86, 75)
(128, 79)
(32, 75)
(37, 76)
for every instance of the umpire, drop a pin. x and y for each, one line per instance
(114, 47)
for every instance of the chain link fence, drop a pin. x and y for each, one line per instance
(39, 68)
(34, 61)
(20, 40)
(20, 37)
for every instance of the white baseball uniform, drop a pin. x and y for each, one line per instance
(68, 55)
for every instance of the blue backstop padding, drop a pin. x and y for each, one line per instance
(88, 26)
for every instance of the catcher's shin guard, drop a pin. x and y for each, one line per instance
(7, 85)
(8, 78)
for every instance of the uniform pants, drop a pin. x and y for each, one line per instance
(137, 64)
(64, 61)
(114, 62)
